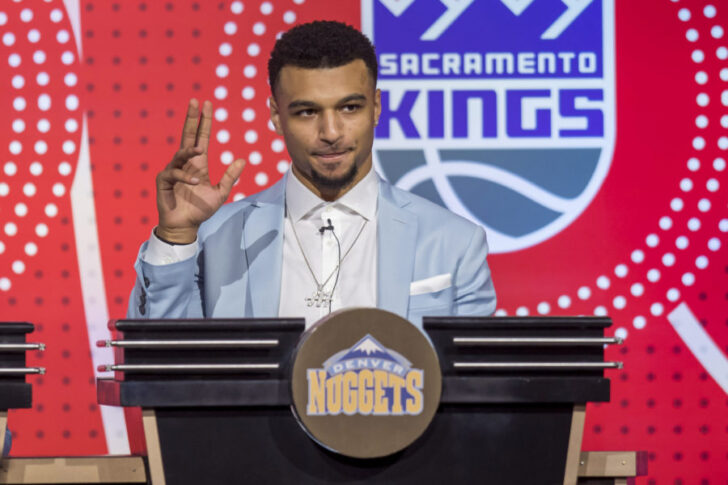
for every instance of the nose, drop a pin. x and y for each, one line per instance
(330, 127)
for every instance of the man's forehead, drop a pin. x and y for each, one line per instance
(295, 80)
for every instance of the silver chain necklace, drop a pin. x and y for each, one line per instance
(321, 297)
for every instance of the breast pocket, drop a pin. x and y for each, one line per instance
(434, 303)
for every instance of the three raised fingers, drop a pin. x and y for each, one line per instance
(195, 140)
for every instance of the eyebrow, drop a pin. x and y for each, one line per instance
(353, 97)
(310, 104)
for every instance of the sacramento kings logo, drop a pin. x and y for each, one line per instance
(500, 110)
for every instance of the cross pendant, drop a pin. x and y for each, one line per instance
(319, 298)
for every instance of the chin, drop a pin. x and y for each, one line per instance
(335, 181)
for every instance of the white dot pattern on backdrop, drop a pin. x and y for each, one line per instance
(686, 185)
(226, 157)
(653, 275)
(39, 93)
(247, 29)
(603, 282)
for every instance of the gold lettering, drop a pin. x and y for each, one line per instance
(366, 398)
(350, 398)
(414, 382)
(333, 394)
(381, 403)
(316, 391)
(396, 383)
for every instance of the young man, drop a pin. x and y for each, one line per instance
(330, 234)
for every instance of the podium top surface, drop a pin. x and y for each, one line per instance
(16, 327)
(248, 324)
(482, 323)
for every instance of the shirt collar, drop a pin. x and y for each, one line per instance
(362, 198)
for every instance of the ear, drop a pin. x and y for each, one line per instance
(275, 115)
(377, 106)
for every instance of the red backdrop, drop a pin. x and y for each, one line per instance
(653, 239)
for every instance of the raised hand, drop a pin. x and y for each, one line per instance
(185, 196)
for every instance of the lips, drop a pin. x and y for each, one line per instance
(331, 156)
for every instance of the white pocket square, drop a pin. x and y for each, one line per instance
(431, 284)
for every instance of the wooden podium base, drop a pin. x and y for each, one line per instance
(120, 470)
(595, 468)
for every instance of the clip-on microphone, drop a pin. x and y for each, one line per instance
(330, 227)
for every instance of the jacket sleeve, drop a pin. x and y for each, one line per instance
(474, 291)
(166, 291)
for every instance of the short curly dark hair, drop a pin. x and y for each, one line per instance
(320, 44)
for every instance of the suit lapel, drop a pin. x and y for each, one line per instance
(263, 246)
(396, 244)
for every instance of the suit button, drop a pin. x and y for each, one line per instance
(146, 282)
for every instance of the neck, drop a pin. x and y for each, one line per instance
(330, 194)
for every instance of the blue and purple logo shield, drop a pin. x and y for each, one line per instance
(500, 110)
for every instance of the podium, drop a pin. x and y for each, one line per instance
(216, 403)
(14, 391)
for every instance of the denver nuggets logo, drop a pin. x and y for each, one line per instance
(366, 379)
(353, 394)
(501, 110)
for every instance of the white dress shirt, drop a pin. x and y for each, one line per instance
(353, 217)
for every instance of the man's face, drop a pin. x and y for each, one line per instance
(327, 118)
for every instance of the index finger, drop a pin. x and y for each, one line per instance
(189, 129)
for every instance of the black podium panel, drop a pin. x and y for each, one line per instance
(465, 444)
(215, 396)
(14, 391)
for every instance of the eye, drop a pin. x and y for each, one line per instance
(351, 108)
(305, 113)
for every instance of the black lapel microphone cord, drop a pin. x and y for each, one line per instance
(323, 229)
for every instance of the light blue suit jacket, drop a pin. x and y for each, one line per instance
(237, 270)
